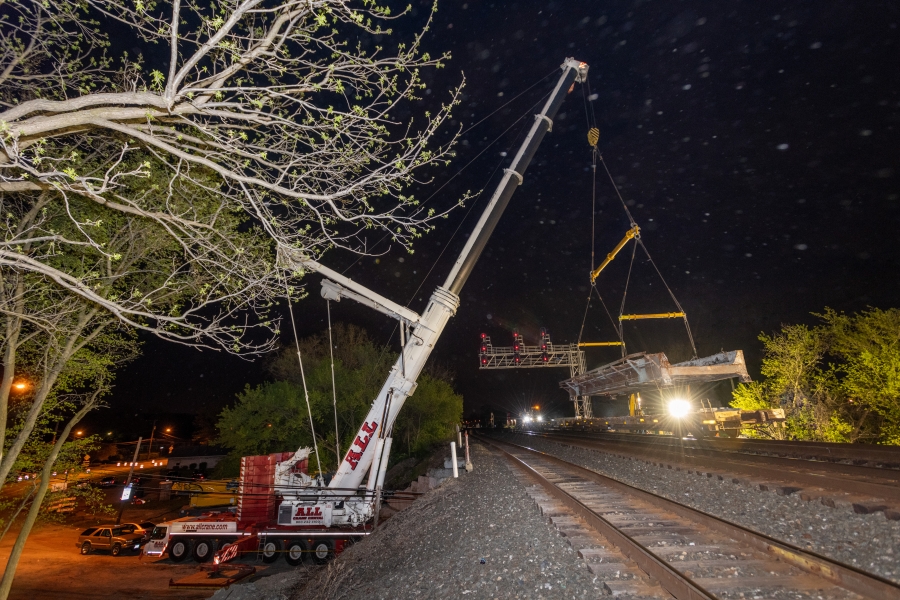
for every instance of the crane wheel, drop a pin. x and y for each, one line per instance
(270, 550)
(294, 551)
(178, 550)
(322, 551)
(203, 550)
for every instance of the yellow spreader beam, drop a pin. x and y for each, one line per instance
(597, 344)
(632, 233)
(671, 315)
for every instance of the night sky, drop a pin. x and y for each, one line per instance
(755, 142)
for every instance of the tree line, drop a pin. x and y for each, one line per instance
(273, 416)
(838, 381)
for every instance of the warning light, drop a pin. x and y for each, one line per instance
(517, 359)
(483, 360)
(484, 349)
(483, 335)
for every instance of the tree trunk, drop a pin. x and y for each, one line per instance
(22, 504)
(75, 342)
(13, 562)
(13, 330)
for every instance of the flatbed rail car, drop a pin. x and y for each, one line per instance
(706, 422)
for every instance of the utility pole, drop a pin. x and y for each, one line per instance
(128, 481)
(150, 448)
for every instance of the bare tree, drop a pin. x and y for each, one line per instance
(284, 110)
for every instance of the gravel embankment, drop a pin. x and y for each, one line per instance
(869, 542)
(435, 548)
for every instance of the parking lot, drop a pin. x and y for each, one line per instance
(52, 566)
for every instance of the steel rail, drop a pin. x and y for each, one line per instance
(820, 451)
(846, 576)
(829, 476)
(656, 568)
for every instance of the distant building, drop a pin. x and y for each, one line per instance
(196, 457)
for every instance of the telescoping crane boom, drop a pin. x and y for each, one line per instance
(306, 501)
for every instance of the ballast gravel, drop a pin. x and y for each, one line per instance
(868, 542)
(479, 536)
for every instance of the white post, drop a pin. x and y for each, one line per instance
(468, 462)
(453, 460)
(458, 437)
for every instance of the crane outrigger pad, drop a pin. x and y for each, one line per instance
(641, 371)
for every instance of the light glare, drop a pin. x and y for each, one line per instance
(679, 407)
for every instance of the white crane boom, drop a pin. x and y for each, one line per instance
(365, 452)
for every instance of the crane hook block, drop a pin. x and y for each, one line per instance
(593, 136)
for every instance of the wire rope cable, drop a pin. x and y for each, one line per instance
(687, 325)
(625, 292)
(472, 205)
(337, 435)
(312, 428)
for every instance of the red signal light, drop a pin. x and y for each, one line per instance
(483, 335)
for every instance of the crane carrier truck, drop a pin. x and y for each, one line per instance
(281, 508)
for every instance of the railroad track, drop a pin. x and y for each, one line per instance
(644, 545)
(877, 483)
(858, 454)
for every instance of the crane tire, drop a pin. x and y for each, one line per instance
(270, 550)
(322, 551)
(203, 550)
(294, 550)
(179, 550)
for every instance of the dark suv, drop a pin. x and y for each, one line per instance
(115, 538)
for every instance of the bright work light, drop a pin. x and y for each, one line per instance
(679, 407)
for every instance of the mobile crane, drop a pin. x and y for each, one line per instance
(310, 516)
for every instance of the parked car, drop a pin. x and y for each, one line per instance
(108, 481)
(113, 538)
(198, 476)
(144, 529)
